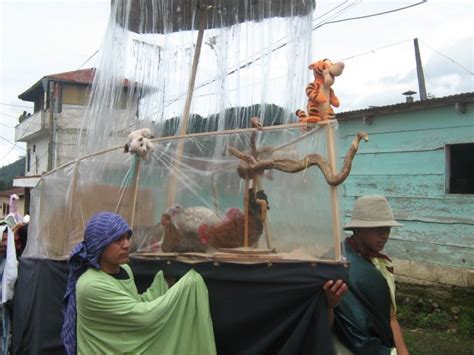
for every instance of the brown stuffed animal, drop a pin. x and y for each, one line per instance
(319, 92)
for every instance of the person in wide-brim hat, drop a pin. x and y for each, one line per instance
(365, 319)
(372, 211)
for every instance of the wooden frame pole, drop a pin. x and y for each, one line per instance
(189, 97)
(125, 183)
(246, 212)
(135, 191)
(70, 208)
(266, 227)
(333, 193)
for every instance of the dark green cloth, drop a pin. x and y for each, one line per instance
(362, 319)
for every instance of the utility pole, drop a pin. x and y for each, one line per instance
(419, 71)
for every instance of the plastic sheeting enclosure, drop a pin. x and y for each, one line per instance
(191, 195)
(187, 196)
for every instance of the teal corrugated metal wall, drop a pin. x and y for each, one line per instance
(405, 161)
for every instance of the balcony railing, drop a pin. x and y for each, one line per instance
(32, 127)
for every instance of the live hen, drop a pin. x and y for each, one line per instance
(229, 233)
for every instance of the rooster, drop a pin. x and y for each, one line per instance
(229, 232)
(198, 229)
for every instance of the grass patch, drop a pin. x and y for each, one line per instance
(436, 320)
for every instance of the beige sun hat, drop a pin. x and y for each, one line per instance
(372, 211)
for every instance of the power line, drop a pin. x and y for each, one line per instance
(4, 104)
(23, 130)
(448, 58)
(92, 56)
(3, 124)
(8, 152)
(9, 141)
(11, 149)
(376, 49)
(7, 115)
(372, 15)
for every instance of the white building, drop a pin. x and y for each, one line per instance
(51, 132)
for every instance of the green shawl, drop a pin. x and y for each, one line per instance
(112, 318)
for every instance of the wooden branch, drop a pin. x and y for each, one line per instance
(251, 167)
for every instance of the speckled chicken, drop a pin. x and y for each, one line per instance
(198, 229)
(181, 228)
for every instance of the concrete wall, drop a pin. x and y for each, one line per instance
(405, 160)
(39, 158)
(68, 125)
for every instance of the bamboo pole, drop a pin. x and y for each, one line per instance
(266, 228)
(333, 193)
(215, 194)
(124, 189)
(189, 97)
(135, 192)
(246, 212)
(187, 136)
(70, 208)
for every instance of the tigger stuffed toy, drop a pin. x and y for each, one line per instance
(319, 92)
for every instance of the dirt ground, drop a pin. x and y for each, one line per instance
(436, 320)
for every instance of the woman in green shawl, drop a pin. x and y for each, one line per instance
(104, 314)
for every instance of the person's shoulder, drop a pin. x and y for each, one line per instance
(128, 269)
(90, 281)
(88, 275)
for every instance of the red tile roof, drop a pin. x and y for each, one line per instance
(83, 76)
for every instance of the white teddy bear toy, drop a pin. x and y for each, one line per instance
(138, 142)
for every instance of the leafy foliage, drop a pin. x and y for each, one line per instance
(9, 172)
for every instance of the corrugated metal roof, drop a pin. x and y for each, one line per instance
(407, 106)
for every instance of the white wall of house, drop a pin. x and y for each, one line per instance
(68, 126)
(37, 152)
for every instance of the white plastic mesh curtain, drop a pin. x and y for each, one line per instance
(254, 62)
(250, 62)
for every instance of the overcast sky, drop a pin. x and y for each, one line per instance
(40, 37)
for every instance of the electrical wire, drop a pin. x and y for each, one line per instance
(11, 149)
(5, 104)
(372, 15)
(3, 124)
(448, 58)
(376, 49)
(9, 141)
(92, 56)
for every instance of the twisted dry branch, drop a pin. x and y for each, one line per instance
(251, 167)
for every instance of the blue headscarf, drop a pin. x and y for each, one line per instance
(101, 230)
